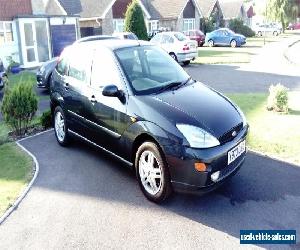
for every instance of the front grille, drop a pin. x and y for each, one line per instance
(227, 137)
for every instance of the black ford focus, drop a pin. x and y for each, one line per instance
(132, 100)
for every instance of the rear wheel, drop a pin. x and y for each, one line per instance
(259, 33)
(60, 127)
(275, 33)
(174, 56)
(211, 43)
(186, 63)
(152, 172)
(233, 43)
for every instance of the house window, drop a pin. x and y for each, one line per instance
(6, 35)
(188, 24)
(153, 25)
(119, 25)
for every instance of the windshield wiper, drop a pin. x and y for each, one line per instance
(169, 86)
(184, 82)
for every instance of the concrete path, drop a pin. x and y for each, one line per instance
(85, 199)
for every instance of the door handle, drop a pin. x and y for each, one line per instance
(93, 99)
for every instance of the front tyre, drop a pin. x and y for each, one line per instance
(60, 127)
(233, 43)
(211, 43)
(152, 172)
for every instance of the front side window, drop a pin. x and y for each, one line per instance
(104, 70)
(6, 33)
(149, 68)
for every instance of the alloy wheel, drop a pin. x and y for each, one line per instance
(150, 172)
(59, 125)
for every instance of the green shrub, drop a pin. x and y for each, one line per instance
(238, 26)
(278, 98)
(134, 20)
(19, 106)
(207, 25)
(46, 119)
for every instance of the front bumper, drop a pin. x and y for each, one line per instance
(183, 57)
(185, 177)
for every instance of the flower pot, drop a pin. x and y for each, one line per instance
(15, 69)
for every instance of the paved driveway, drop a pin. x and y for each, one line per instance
(83, 198)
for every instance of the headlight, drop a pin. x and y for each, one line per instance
(197, 137)
(42, 69)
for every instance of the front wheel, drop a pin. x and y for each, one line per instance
(275, 33)
(233, 43)
(211, 43)
(152, 172)
(186, 63)
(60, 127)
(174, 56)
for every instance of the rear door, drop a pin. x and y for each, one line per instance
(75, 87)
(106, 115)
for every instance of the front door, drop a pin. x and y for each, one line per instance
(35, 41)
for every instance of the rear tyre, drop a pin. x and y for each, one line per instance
(211, 43)
(174, 56)
(259, 33)
(275, 33)
(60, 127)
(185, 63)
(152, 172)
(233, 43)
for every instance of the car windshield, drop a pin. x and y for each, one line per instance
(149, 69)
(180, 37)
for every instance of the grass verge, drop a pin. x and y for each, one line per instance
(272, 133)
(15, 174)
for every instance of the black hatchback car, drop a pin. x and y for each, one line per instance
(133, 100)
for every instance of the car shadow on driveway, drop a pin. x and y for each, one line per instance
(265, 194)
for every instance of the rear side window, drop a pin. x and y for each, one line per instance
(80, 65)
(180, 37)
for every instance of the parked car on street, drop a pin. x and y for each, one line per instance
(267, 29)
(2, 75)
(131, 99)
(125, 35)
(224, 37)
(294, 26)
(196, 35)
(152, 33)
(44, 73)
(179, 46)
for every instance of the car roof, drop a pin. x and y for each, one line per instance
(93, 38)
(112, 44)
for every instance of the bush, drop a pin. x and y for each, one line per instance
(278, 98)
(134, 20)
(46, 119)
(208, 25)
(238, 26)
(19, 106)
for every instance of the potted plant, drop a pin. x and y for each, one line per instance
(13, 66)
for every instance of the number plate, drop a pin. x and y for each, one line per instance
(234, 153)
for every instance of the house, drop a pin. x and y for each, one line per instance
(211, 9)
(33, 31)
(232, 9)
(107, 16)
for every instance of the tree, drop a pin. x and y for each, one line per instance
(282, 11)
(134, 20)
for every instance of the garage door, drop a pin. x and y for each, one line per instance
(62, 36)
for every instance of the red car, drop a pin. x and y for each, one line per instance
(196, 35)
(295, 26)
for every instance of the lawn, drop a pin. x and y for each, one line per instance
(272, 133)
(15, 173)
(243, 54)
(22, 77)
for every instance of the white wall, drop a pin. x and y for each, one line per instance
(10, 49)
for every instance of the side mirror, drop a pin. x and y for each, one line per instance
(112, 91)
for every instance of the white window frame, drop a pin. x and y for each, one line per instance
(119, 25)
(5, 31)
(153, 25)
(189, 24)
